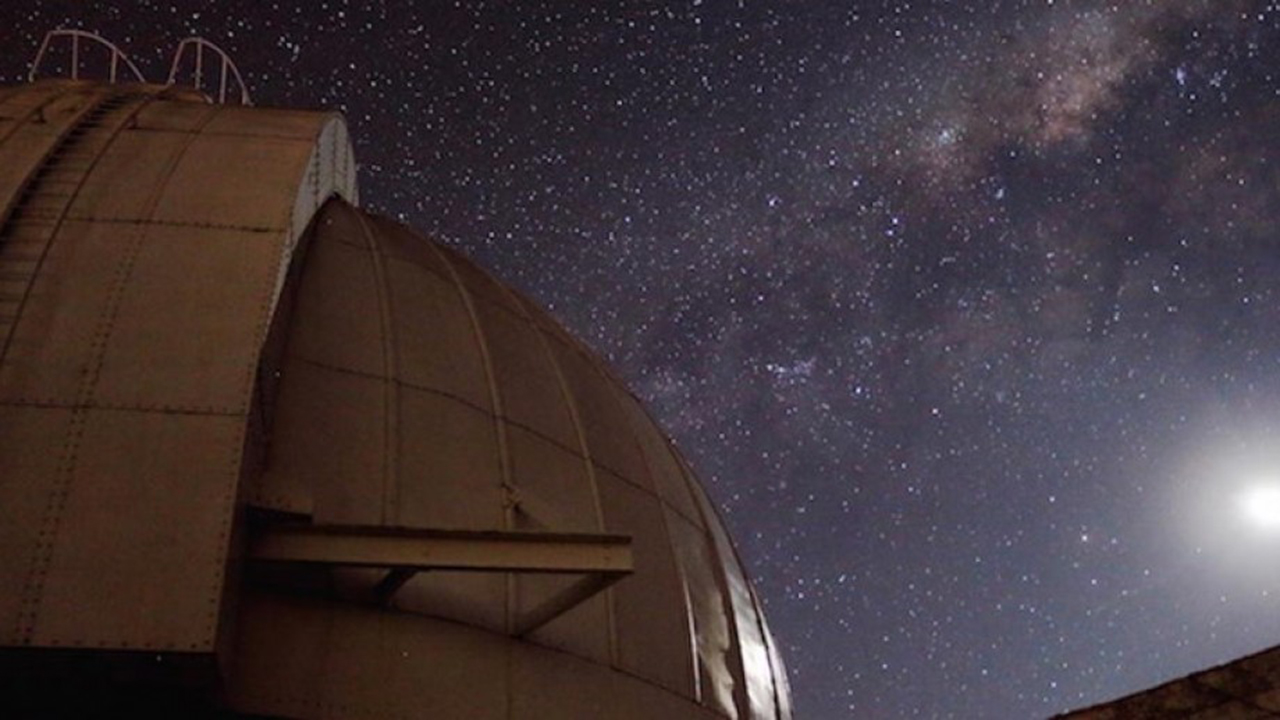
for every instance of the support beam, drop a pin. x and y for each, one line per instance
(563, 601)
(601, 560)
(418, 549)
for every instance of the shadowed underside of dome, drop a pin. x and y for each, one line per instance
(315, 463)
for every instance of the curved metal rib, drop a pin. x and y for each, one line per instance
(227, 69)
(76, 35)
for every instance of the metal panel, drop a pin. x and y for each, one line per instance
(553, 493)
(282, 645)
(311, 658)
(530, 388)
(449, 475)
(326, 446)
(55, 346)
(399, 242)
(143, 528)
(468, 598)
(257, 188)
(188, 325)
(482, 286)
(29, 142)
(435, 344)
(29, 462)
(715, 642)
(609, 435)
(174, 116)
(653, 634)
(146, 159)
(756, 666)
(337, 319)
(782, 685)
(659, 455)
(552, 685)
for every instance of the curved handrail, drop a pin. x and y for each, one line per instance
(116, 54)
(227, 67)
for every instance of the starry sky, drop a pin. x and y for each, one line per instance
(966, 313)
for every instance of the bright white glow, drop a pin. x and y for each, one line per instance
(1261, 504)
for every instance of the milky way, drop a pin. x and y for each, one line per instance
(965, 314)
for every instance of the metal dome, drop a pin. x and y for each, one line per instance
(265, 452)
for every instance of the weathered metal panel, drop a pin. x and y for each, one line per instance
(254, 182)
(326, 448)
(756, 667)
(57, 342)
(552, 685)
(312, 658)
(715, 642)
(779, 667)
(553, 494)
(552, 490)
(608, 431)
(668, 478)
(403, 244)
(337, 322)
(469, 598)
(435, 345)
(26, 144)
(482, 286)
(187, 325)
(142, 526)
(31, 453)
(448, 465)
(146, 159)
(182, 117)
(527, 382)
(652, 629)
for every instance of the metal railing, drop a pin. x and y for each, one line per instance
(76, 36)
(227, 69)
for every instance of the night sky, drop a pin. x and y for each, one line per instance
(966, 313)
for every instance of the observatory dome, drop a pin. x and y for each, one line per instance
(263, 452)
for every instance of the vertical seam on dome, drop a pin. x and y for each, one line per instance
(592, 480)
(770, 646)
(701, 503)
(757, 617)
(666, 524)
(499, 416)
(390, 384)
